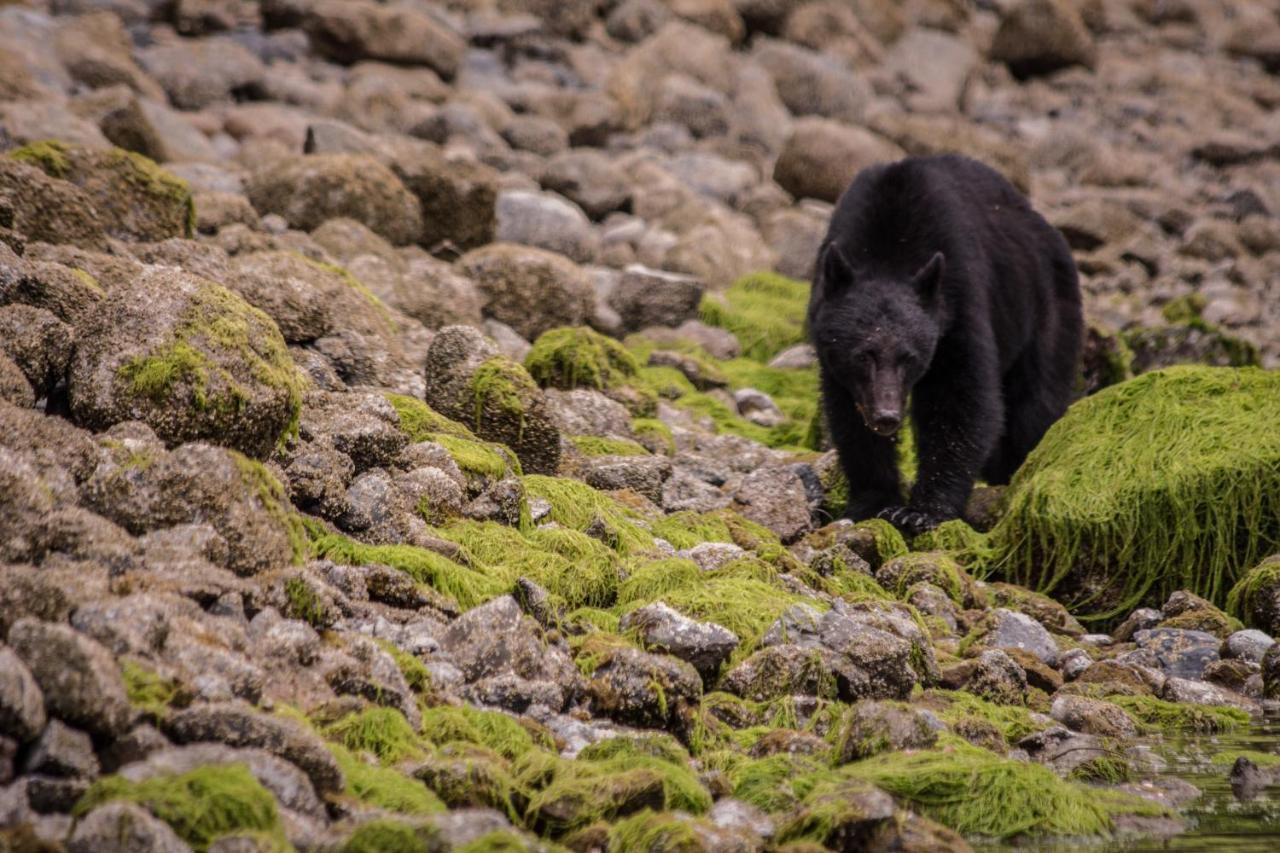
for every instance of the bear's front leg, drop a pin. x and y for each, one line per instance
(869, 461)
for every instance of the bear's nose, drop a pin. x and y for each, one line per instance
(885, 422)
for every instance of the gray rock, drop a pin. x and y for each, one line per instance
(1139, 620)
(79, 679)
(589, 179)
(1009, 629)
(645, 297)
(363, 426)
(199, 73)
(706, 645)
(239, 725)
(146, 355)
(497, 638)
(734, 814)
(1179, 653)
(62, 751)
(813, 84)
(546, 221)
(871, 727)
(712, 555)
(1093, 716)
(993, 675)
(21, 702)
(1250, 645)
(686, 491)
(643, 474)
(348, 31)
(38, 343)
(935, 67)
(718, 342)
(123, 827)
(583, 411)
(821, 157)
(776, 498)
(1074, 662)
(1189, 692)
(643, 689)
(758, 407)
(529, 289)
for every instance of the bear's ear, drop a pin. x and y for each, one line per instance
(928, 281)
(835, 270)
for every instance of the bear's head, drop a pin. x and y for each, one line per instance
(875, 332)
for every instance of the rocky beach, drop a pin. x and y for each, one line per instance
(409, 439)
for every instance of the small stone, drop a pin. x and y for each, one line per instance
(1180, 653)
(21, 702)
(646, 297)
(546, 221)
(1093, 716)
(706, 645)
(62, 751)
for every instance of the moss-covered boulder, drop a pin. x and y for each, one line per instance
(1256, 598)
(468, 381)
(307, 191)
(191, 359)
(136, 199)
(1168, 481)
(579, 357)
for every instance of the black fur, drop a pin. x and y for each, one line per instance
(938, 280)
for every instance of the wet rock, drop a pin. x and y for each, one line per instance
(1041, 36)
(993, 675)
(776, 498)
(348, 32)
(21, 702)
(872, 727)
(1271, 672)
(642, 689)
(239, 725)
(1142, 619)
(1260, 601)
(1007, 629)
(706, 645)
(38, 343)
(468, 381)
(1249, 645)
(821, 157)
(645, 297)
(1179, 653)
(79, 679)
(123, 827)
(546, 221)
(1190, 692)
(1238, 676)
(309, 190)
(149, 354)
(1093, 716)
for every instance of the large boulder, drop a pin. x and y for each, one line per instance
(468, 380)
(306, 191)
(531, 290)
(1256, 598)
(79, 678)
(135, 198)
(821, 157)
(188, 357)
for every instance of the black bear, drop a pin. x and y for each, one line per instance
(938, 281)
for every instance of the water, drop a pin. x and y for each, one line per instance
(1216, 820)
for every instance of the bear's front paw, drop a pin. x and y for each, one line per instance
(909, 521)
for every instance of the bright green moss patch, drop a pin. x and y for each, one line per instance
(384, 787)
(655, 433)
(382, 732)
(474, 456)
(385, 836)
(147, 690)
(592, 445)
(154, 184)
(955, 536)
(491, 729)
(766, 311)
(1161, 716)
(303, 603)
(776, 783)
(500, 386)
(275, 502)
(578, 357)
(648, 830)
(49, 156)
(1168, 481)
(576, 505)
(1261, 759)
(960, 710)
(199, 806)
(498, 841)
(415, 672)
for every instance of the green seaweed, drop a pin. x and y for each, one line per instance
(385, 836)
(576, 505)
(491, 729)
(381, 732)
(385, 787)
(148, 691)
(1157, 715)
(764, 310)
(1244, 595)
(415, 672)
(49, 156)
(577, 357)
(594, 445)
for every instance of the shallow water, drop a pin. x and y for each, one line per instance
(1216, 821)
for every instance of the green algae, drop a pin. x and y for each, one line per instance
(148, 691)
(468, 776)
(420, 422)
(776, 783)
(49, 156)
(1157, 715)
(500, 386)
(199, 806)
(381, 732)
(935, 567)
(1244, 595)
(579, 507)
(385, 836)
(764, 310)
(498, 841)
(415, 672)
(271, 494)
(960, 710)
(155, 183)
(304, 604)
(594, 445)
(654, 434)
(579, 357)
(491, 729)
(653, 831)
(385, 787)
(1168, 481)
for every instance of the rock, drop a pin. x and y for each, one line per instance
(813, 84)
(457, 196)
(934, 66)
(706, 645)
(62, 751)
(239, 725)
(41, 208)
(79, 679)
(821, 157)
(642, 689)
(306, 191)
(684, 102)
(1249, 645)
(198, 73)
(14, 387)
(149, 354)
(680, 48)
(38, 343)
(796, 234)
(589, 179)
(468, 381)
(123, 827)
(546, 221)
(1179, 653)
(496, 638)
(1093, 716)
(642, 474)
(529, 289)
(1042, 36)
(348, 31)
(645, 297)
(1271, 672)
(758, 407)
(720, 343)
(1189, 692)
(1141, 619)
(776, 498)
(993, 675)
(21, 702)
(96, 50)
(144, 490)
(872, 727)
(1007, 629)
(136, 199)
(1259, 594)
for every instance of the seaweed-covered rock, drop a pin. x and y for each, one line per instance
(468, 381)
(79, 679)
(531, 290)
(706, 645)
(574, 357)
(306, 191)
(1006, 629)
(190, 359)
(643, 689)
(135, 198)
(993, 675)
(1256, 597)
(872, 727)
(1093, 716)
(1101, 453)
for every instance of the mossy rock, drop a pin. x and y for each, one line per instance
(46, 209)
(1105, 361)
(191, 359)
(1256, 598)
(578, 357)
(385, 787)
(765, 310)
(136, 199)
(1168, 481)
(481, 460)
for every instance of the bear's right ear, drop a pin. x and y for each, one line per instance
(835, 270)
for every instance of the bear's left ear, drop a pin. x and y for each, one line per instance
(928, 281)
